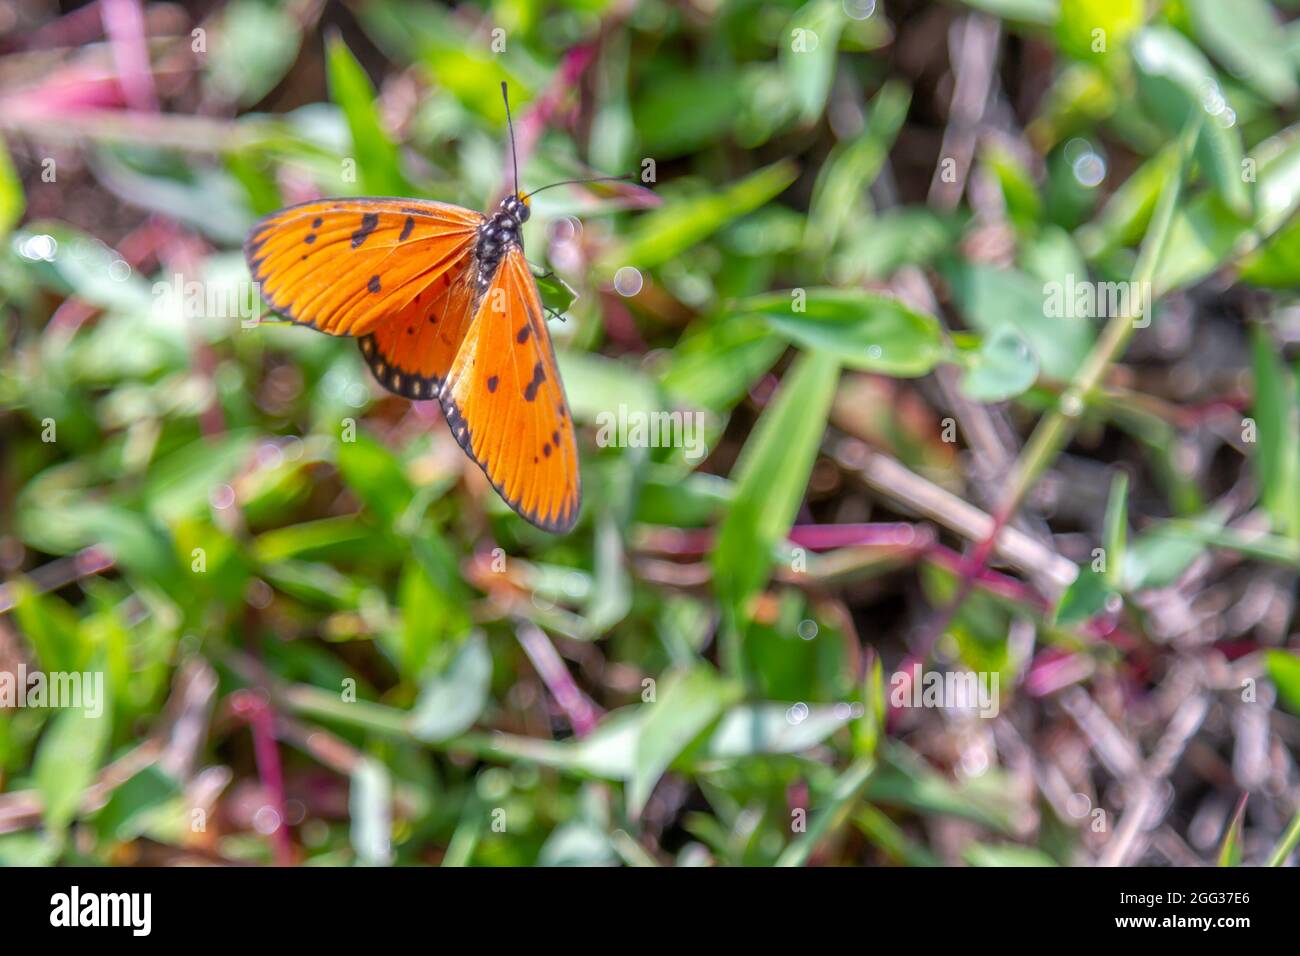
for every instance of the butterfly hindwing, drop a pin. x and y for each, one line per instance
(411, 351)
(505, 403)
(350, 266)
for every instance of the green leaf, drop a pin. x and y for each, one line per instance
(598, 385)
(1251, 544)
(1276, 457)
(557, 295)
(1002, 368)
(1290, 840)
(1276, 263)
(1160, 556)
(314, 583)
(1278, 191)
(1230, 848)
(677, 225)
(715, 366)
(1248, 38)
(12, 202)
(1125, 215)
(1084, 598)
(904, 779)
(1115, 531)
(859, 329)
(458, 60)
(377, 165)
(831, 813)
(1080, 19)
(867, 729)
(1206, 233)
(679, 111)
(577, 843)
(68, 758)
(850, 169)
(1284, 671)
(769, 728)
(427, 613)
(1008, 854)
(907, 235)
(370, 801)
(450, 702)
(182, 484)
(208, 199)
(687, 703)
(996, 300)
(808, 51)
(34, 848)
(129, 808)
(50, 626)
(1176, 80)
(255, 46)
(1036, 12)
(610, 752)
(309, 538)
(86, 267)
(70, 522)
(377, 477)
(771, 476)
(611, 593)
(1024, 204)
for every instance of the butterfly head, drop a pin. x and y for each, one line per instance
(516, 207)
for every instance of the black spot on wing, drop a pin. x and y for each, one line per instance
(373, 284)
(406, 229)
(369, 223)
(522, 335)
(492, 383)
(539, 376)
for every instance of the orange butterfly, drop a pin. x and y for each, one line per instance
(443, 305)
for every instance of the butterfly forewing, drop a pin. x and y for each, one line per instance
(349, 266)
(505, 403)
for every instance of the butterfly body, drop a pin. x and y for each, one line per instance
(496, 235)
(444, 307)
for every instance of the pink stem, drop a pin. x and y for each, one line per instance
(817, 537)
(124, 24)
(1000, 584)
(61, 572)
(582, 713)
(257, 711)
(532, 123)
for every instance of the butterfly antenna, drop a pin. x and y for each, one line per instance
(570, 182)
(514, 157)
